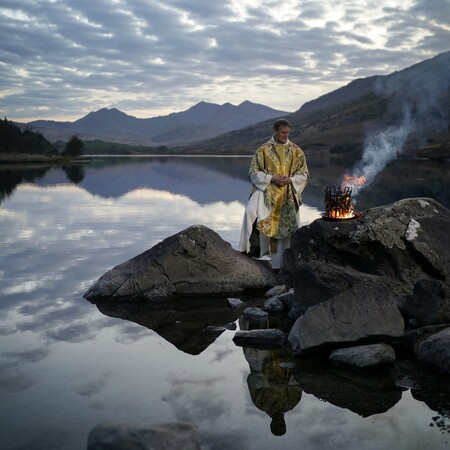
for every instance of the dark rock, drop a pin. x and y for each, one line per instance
(398, 244)
(235, 302)
(274, 305)
(366, 311)
(255, 314)
(268, 338)
(364, 356)
(429, 303)
(414, 338)
(288, 298)
(435, 351)
(171, 436)
(196, 261)
(277, 290)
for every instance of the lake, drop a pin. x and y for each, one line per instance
(67, 365)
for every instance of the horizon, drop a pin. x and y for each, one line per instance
(155, 59)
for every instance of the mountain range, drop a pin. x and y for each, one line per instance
(416, 98)
(201, 121)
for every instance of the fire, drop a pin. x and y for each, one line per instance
(353, 181)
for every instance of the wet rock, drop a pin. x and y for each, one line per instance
(171, 436)
(196, 261)
(368, 310)
(435, 351)
(363, 356)
(255, 314)
(269, 338)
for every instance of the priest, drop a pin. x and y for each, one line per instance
(278, 174)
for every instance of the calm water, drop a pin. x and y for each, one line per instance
(67, 365)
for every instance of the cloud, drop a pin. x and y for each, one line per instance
(63, 59)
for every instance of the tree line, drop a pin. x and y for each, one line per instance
(14, 140)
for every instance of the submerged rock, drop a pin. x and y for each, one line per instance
(196, 261)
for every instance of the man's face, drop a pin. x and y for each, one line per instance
(282, 134)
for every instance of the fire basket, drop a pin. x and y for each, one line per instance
(338, 203)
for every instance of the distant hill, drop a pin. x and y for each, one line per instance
(341, 120)
(201, 121)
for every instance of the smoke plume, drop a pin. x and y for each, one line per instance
(418, 100)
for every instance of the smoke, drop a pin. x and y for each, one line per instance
(418, 105)
(380, 148)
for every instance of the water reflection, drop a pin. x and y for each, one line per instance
(226, 178)
(272, 386)
(191, 325)
(65, 366)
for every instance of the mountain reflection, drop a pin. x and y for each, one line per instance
(207, 179)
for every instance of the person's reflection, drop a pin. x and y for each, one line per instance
(273, 389)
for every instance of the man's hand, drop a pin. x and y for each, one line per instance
(280, 180)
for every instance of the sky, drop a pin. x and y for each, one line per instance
(61, 59)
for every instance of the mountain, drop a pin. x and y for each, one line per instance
(418, 96)
(201, 121)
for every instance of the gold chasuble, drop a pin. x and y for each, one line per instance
(282, 201)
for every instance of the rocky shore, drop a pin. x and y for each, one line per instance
(359, 296)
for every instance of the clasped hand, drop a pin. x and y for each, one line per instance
(280, 180)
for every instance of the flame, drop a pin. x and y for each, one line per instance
(353, 181)
(348, 214)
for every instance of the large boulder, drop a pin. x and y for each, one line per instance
(397, 244)
(193, 262)
(367, 311)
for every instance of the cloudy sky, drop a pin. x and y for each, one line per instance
(61, 59)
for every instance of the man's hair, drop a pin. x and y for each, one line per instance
(281, 123)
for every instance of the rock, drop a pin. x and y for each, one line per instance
(364, 356)
(277, 290)
(435, 351)
(429, 304)
(274, 305)
(195, 261)
(414, 338)
(269, 338)
(255, 314)
(170, 436)
(288, 298)
(235, 302)
(398, 244)
(367, 311)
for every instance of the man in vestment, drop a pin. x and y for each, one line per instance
(278, 173)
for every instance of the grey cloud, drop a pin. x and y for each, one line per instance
(74, 53)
